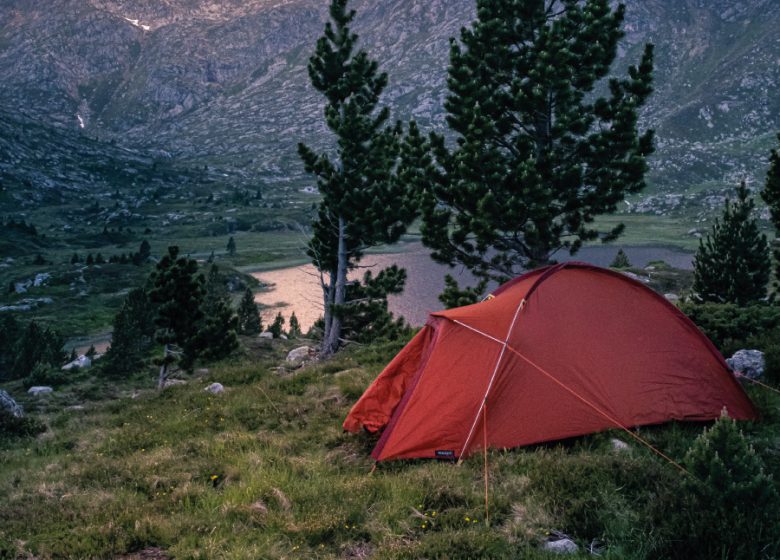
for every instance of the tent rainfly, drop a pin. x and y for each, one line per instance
(559, 352)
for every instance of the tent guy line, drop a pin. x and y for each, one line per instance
(506, 346)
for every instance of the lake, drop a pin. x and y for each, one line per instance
(297, 288)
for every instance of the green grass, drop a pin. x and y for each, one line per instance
(264, 471)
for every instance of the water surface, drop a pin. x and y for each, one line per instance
(298, 289)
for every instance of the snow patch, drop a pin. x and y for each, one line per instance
(81, 121)
(137, 23)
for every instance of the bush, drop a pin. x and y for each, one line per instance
(731, 327)
(13, 427)
(729, 503)
(44, 374)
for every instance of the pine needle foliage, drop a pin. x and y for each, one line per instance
(363, 202)
(732, 263)
(733, 502)
(249, 321)
(771, 195)
(177, 291)
(133, 334)
(216, 337)
(537, 154)
(620, 260)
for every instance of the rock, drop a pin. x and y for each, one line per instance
(283, 336)
(201, 372)
(173, 383)
(8, 403)
(266, 334)
(80, 362)
(672, 297)
(643, 279)
(619, 445)
(749, 363)
(215, 388)
(39, 390)
(300, 354)
(561, 546)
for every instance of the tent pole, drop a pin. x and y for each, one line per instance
(485, 450)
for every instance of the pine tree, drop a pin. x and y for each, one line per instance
(37, 344)
(730, 496)
(453, 296)
(363, 202)
(10, 331)
(537, 154)
(216, 337)
(144, 251)
(620, 260)
(177, 292)
(231, 246)
(132, 336)
(732, 263)
(277, 327)
(771, 195)
(75, 258)
(90, 260)
(295, 327)
(365, 315)
(99, 259)
(249, 321)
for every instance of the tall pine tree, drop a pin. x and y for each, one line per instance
(216, 337)
(249, 321)
(177, 291)
(133, 334)
(732, 263)
(537, 154)
(363, 202)
(771, 195)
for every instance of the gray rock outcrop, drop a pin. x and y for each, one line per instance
(749, 363)
(8, 403)
(40, 390)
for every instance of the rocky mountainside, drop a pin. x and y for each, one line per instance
(224, 83)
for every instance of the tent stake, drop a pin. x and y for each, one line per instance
(485, 448)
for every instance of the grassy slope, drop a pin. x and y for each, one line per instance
(126, 474)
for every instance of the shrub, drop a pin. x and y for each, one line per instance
(44, 374)
(729, 503)
(732, 327)
(13, 427)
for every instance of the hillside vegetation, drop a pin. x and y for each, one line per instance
(263, 470)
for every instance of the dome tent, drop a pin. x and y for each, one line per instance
(561, 351)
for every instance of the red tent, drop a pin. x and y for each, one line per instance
(562, 351)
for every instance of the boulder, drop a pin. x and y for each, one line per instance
(749, 363)
(215, 388)
(619, 445)
(561, 546)
(8, 403)
(266, 334)
(202, 372)
(672, 297)
(283, 336)
(300, 354)
(173, 383)
(80, 362)
(39, 390)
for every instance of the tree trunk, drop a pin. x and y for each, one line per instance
(163, 370)
(327, 298)
(331, 343)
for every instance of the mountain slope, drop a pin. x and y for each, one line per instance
(225, 83)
